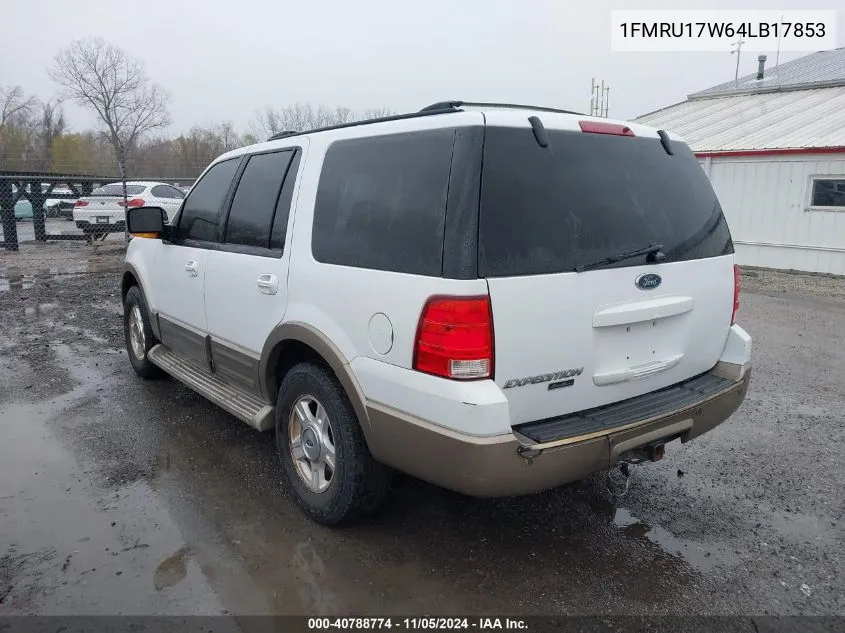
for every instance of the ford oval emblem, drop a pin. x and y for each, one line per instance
(648, 281)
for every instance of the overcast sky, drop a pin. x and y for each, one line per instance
(223, 59)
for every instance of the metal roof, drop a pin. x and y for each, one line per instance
(818, 69)
(774, 120)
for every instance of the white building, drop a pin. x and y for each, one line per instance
(773, 145)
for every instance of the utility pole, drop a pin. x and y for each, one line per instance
(599, 98)
(737, 48)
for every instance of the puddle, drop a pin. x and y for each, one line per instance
(16, 282)
(803, 528)
(41, 308)
(70, 548)
(171, 570)
(701, 557)
(67, 268)
(313, 591)
(113, 307)
(77, 331)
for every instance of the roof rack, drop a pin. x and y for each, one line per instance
(441, 107)
(396, 117)
(456, 105)
(281, 134)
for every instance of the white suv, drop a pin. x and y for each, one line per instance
(496, 299)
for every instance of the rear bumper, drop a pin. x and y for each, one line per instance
(513, 464)
(100, 227)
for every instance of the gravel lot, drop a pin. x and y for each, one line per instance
(124, 496)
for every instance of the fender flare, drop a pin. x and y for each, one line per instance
(320, 343)
(129, 268)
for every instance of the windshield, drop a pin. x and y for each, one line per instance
(587, 197)
(117, 190)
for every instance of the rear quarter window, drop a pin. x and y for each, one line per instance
(117, 190)
(589, 196)
(381, 202)
(254, 203)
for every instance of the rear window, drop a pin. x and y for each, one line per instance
(589, 196)
(381, 202)
(117, 190)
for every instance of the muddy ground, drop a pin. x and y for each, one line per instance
(124, 496)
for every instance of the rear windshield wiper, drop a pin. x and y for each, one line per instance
(654, 250)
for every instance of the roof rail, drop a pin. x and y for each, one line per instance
(281, 134)
(456, 105)
(395, 117)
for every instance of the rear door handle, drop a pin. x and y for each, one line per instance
(191, 268)
(268, 284)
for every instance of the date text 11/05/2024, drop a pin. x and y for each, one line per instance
(428, 623)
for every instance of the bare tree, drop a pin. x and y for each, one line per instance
(17, 129)
(51, 125)
(14, 105)
(102, 77)
(229, 137)
(303, 116)
(376, 113)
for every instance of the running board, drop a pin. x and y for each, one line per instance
(244, 405)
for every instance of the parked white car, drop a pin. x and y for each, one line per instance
(496, 299)
(61, 206)
(102, 212)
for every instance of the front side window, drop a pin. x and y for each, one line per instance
(201, 209)
(254, 204)
(828, 193)
(381, 202)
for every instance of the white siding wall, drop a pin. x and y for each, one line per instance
(765, 202)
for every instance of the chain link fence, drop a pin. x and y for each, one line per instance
(54, 222)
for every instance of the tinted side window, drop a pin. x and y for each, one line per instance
(166, 191)
(201, 209)
(381, 202)
(255, 199)
(280, 221)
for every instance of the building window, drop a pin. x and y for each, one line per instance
(827, 193)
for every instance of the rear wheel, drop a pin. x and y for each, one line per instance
(139, 334)
(322, 449)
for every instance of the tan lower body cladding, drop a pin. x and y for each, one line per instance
(498, 466)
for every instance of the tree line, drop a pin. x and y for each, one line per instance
(132, 115)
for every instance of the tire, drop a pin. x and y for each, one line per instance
(135, 307)
(358, 485)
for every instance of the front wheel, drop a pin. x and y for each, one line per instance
(139, 334)
(322, 449)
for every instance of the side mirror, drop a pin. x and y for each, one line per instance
(149, 222)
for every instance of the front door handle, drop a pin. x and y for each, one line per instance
(191, 268)
(268, 284)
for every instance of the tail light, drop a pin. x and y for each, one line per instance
(736, 294)
(80, 203)
(601, 127)
(455, 338)
(134, 202)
